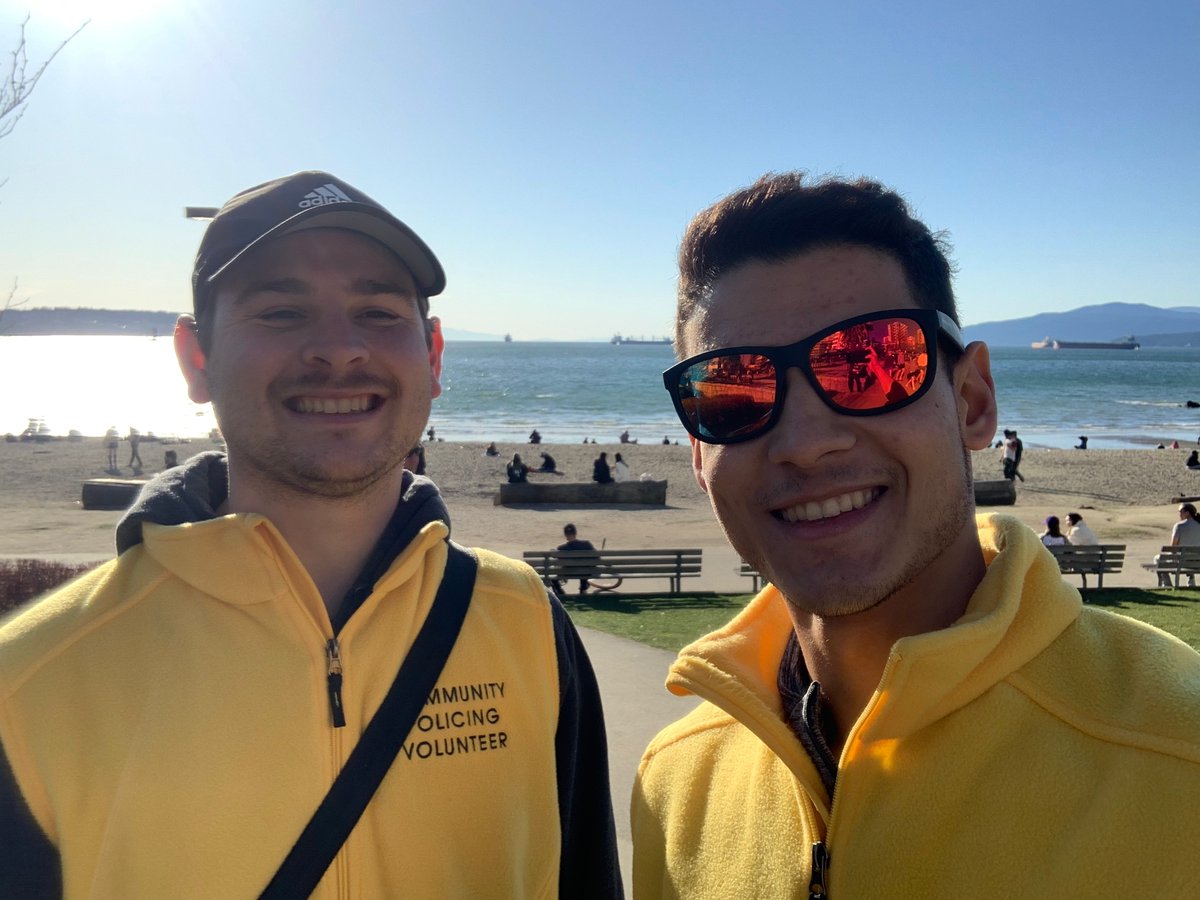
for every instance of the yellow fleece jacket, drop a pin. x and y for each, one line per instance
(1036, 748)
(168, 721)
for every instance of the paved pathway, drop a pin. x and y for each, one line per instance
(636, 706)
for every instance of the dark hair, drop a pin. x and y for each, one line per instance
(1052, 526)
(569, 528)
(1074, 518)
(1190, 509)
(783, 215)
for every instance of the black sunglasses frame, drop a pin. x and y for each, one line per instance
(932, 322)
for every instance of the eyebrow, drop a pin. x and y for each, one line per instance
(367, 287)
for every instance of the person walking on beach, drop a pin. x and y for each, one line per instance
(910, 706)
(600, 470)
(1012, 455)
(1079, 534)
(112, 440)
(216, 677)
(135, 458)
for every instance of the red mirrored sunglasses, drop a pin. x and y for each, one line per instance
(864, 366)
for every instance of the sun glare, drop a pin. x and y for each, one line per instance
(72, 13)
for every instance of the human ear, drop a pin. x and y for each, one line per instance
(698, 464)
(976, 395)
(437, 344)
(192, 361)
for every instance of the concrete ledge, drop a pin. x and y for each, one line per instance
(995, 493)
(647, 493)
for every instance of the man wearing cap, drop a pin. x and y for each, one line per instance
(917, 705)
(171, 721)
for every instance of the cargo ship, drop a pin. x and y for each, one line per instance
(1050, 344)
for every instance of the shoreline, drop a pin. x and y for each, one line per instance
(1126, 496)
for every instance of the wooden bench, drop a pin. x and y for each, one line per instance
(1173, 562)
(606, 569)
(748, 571)
(1084, 560)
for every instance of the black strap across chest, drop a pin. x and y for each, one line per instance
(375, 751)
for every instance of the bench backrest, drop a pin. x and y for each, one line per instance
(1103, 557)
(1173, 556)
(627, 563)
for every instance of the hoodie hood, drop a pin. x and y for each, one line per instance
(928, 675)
(194, 491)
(191, 492)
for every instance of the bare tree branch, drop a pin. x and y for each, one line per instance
(11, 301)
(17, 84)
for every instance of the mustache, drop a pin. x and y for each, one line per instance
(355, 381)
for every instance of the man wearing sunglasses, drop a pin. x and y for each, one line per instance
(917, 705)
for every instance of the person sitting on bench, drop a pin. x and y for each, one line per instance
(580, 568)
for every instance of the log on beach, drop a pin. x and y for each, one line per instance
(648, 493)
(111, 493)
(995, 493)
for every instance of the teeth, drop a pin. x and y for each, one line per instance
(827, 509)
(332, 406)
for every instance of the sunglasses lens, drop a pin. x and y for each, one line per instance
(871, 365)
(728, 397)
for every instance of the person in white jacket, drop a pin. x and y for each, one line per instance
(1078, 532)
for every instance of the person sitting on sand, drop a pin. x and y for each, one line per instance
(620, 470)
(518, 472)
(1193, 460)
(1082, 445)
(600, 470)
(1079, 534)
(491, 450)
(1052, 536)
(548, 464)
(535, 437)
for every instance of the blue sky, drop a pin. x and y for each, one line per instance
(551, 154)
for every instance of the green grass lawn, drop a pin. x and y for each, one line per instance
(671, 621)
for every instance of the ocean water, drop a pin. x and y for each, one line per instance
(571, 391)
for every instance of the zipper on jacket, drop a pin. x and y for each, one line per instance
(818, 884)
(334, 678)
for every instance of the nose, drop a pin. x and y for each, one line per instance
(336, 344)
(807, 429)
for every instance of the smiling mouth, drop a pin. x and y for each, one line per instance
(334, 405)
(828, 508)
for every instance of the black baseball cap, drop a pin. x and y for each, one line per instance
(297, 202)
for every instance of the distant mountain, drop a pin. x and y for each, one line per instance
(64, 320)
(1173, 327)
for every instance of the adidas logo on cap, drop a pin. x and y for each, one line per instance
(323, 196)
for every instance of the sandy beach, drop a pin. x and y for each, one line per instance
(1125, 495)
